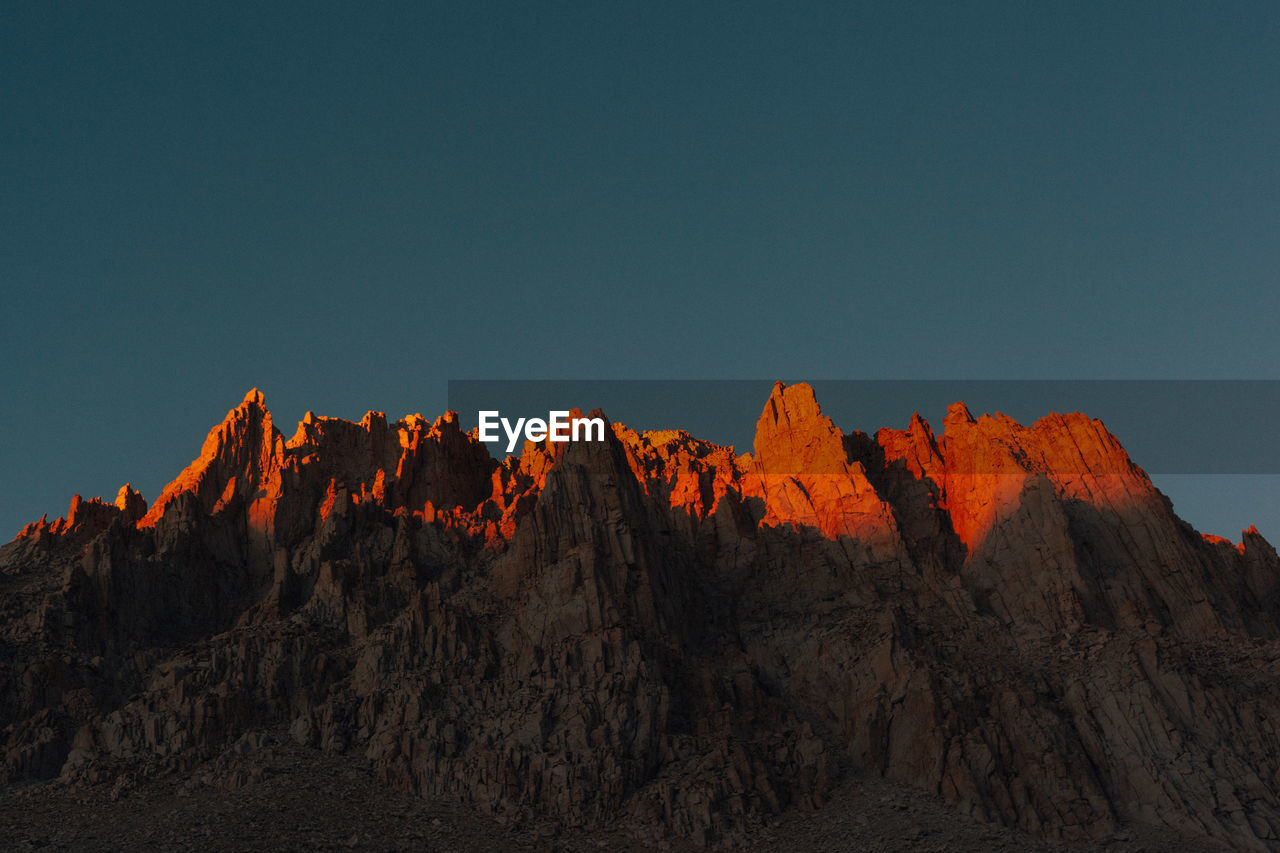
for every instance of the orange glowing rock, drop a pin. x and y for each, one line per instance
(132, 505)
(802, 471)
(239, 456)
(87, 518)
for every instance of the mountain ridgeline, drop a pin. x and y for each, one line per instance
(652, 632)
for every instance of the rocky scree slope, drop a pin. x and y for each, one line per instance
(650, 632)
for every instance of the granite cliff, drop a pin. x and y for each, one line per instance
(652, 632)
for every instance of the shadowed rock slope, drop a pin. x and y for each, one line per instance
(652, 633)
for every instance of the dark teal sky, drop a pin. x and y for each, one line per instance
(346, 207)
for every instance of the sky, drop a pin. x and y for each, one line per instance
(347, 205)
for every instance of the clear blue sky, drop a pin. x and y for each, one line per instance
(347, 206)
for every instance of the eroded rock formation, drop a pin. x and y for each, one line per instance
(653, 632)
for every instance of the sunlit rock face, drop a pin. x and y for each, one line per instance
(652, 631)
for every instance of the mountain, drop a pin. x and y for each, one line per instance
(652, 634)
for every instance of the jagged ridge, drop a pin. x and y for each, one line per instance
(654, 631)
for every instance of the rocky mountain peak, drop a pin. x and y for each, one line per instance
(237, 456)
(131, 504)
(793, 436)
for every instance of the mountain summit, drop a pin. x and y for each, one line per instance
(654, 634)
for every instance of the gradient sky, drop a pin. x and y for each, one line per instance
(348, 206)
